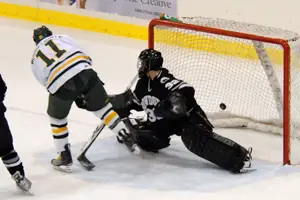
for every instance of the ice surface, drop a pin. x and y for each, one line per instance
(173, 174)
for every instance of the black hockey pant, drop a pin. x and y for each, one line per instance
(86, 87)
(8, 155)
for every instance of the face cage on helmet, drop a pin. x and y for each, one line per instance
(141, 67)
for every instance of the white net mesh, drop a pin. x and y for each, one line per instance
(228, 70)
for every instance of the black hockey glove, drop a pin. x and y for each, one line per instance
(121, 100)
(173, 107)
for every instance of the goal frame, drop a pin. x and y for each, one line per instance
(242, 35)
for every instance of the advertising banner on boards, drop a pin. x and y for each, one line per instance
(144, 9)
(72, 3)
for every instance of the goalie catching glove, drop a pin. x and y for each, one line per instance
(173, 107)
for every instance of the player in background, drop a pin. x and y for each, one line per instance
(72, 2)
(82, 4)
(8, 154)
(64, 69)
(172, 110)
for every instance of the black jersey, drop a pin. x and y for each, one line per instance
(148, 93)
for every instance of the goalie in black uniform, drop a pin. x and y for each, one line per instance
(172, 109)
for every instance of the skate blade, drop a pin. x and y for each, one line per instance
(65, 169)
(245, 170)
(29, 192)
(24, 191)
(136, 149)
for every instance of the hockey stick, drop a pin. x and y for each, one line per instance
(83, 160)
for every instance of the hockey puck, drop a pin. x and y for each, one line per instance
(222, 106)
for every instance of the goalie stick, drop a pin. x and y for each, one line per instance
(83, 160)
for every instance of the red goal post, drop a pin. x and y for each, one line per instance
(164, 33)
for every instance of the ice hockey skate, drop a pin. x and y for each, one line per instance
(64, 161)
(22, 182)
(248, 162)
(128, 141)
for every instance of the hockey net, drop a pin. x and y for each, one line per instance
(252, 69)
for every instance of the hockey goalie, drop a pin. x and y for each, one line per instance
(172, 110)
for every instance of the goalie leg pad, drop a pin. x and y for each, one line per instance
(146, 138)
(149, 142)
(215, 148)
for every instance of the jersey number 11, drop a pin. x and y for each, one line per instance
(50, 61)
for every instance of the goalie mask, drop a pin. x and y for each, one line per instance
(149, 59)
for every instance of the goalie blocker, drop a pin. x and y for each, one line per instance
(172, 110)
